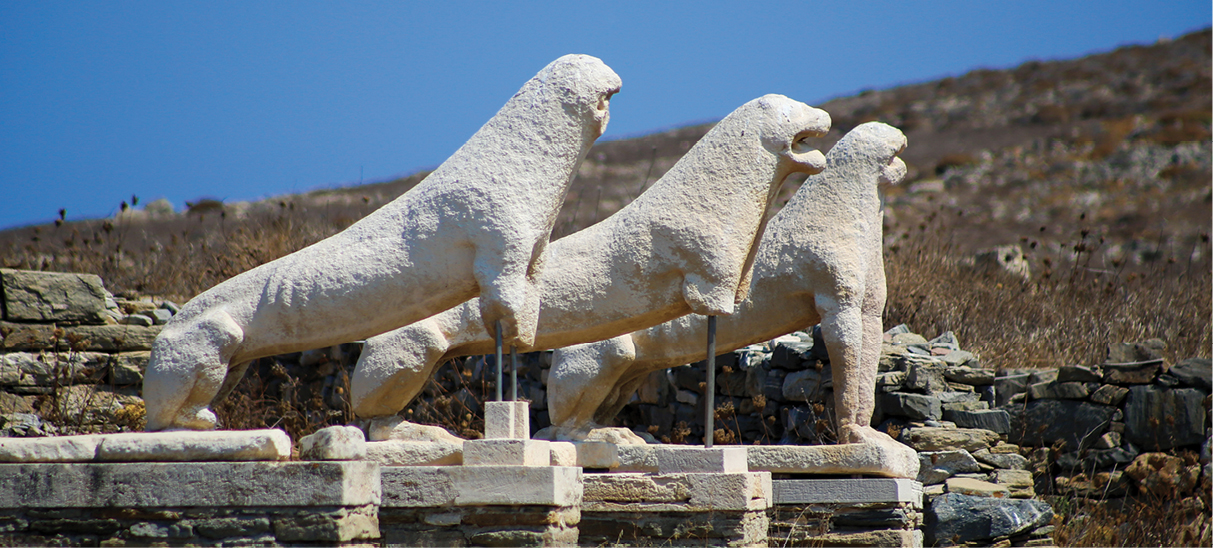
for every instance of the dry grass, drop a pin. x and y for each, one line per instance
(1066, 313)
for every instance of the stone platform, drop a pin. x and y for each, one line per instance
(481, 505)
(194, 503)
(688, 509)
(847, 512)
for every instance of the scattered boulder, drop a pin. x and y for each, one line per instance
(956, 518)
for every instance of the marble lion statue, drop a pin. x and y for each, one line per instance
(820, 261)
(477, 226)
(685, 245)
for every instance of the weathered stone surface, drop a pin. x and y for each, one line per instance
(914, 406)
(937, 466)
(968, 375)
(887, 538)
(342, 525)
(189, 484)
(956, 518)
(976, 487)
(807, 385)
(427, 486)
(925, 378)
(127, 368)
(1194, 372)
(1045, 422)
(52, 296)
(113, 338)
(1134, 373)
(677, 492)
(1019, 483)
(1005, 461)
(1109, 394)
(414, 453)
(507, 452)
(1078, 373)
(1151, 349)
(680, 460)
(45, 369)
(1160, 419)
(507, 420)
(26, 336)
(49, 449)
(890, 459)
(564, 453)
(674, 528)
(96, 405)
(334, 443)
(1009, 383)
(1163, 475)
(994, 420)
(848, 491)
(943, 439)
(232, 445)
(1058, 390)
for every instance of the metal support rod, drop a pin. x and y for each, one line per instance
(513, 373)
(497, 341)
(710, 390)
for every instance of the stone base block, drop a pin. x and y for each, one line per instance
(633, 492)
(192, 446)
(507, 420)
(676, 509)
(892, 459)
(848, 491)
(450, 486)
(414, 453)
(173, 484)
(194, 503)
(480, 526)
(351, 526)
(507, 452)
(720, 528)
(847, 512)
(675, 459)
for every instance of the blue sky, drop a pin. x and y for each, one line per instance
(248, 99)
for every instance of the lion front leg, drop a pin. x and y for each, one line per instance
(508, 293)
(844, 329)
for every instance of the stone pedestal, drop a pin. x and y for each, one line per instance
(195, 503)
(685, 509)
(847, 512)
(481, 505)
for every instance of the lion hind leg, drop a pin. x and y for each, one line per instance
(393, 368)
(582, 377)
(187, 370)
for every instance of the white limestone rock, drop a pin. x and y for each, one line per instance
(820, 261)
(674, 459)
(414, 453)
(185, 445)
(477, 225)
(889, 459)
(396, 428)
(49, 449)
(685, 245)
(334, 443)
(507, 452)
